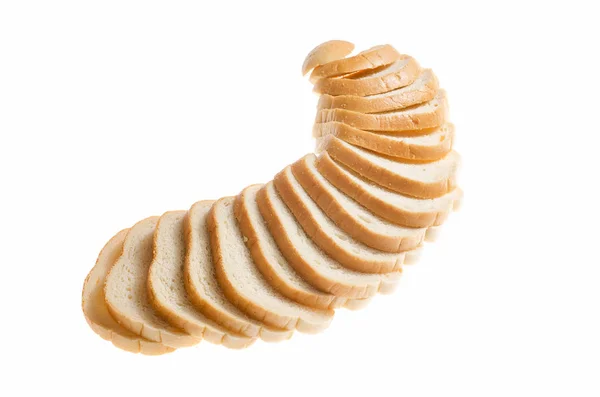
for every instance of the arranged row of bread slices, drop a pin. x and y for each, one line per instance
(278, 257)
(331, 230)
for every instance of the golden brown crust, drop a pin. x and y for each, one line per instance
(346, 221)
(386, 178)
(332, 171)
(369, 59)
(389, 145)
(424, 116)
(398, 99)
(369, 85)
(326, 52)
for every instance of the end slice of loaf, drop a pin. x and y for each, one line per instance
(396, 208)
(309, 261)
(271, 262)
(430, 114)
(365, 60)
(399, 74)
(350, 216)
(166, 286)
(436, 144)
(126, 291)
(326, 52)
(203, 288)
(423, 180)
(423, 89)
(334, 241)
(95, 309)
(244, 285)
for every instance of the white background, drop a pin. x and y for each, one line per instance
(112, 111)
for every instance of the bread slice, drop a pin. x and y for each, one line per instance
(436, 144)
(326, 52)
(126, 292)
(417, 179)
(334, 241)
(396, 208)
(426, 115)
(166, 286)
(365, 60)
(273, 265)
(309, 261)
(95, 309)
(356, 220)
(423, 89)
(399, 74)
(203, 288)
(245, 286)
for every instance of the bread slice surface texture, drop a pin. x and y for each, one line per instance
(328, 236)
(126, 291)
(243, 283)
(166, 286)
(271, 262)
(397, 208)
(311, 262)
(96, 312)
(422, 180)
(352, 217)
(202, 285)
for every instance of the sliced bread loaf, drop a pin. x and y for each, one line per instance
(333, 240)
(273, 265)
(399, 74)
(95, 309)
(326, 52)
(430, 114)
(423, 89)
(396, 208)
(350, 216)
(126, 292)
(203, 288)
(309, 261)
(417, 179)
(436, 144)
(166, 286)
(365, 60)
(244, 285)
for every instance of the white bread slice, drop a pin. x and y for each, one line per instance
(396, 208)
(95, 310)
(273, 265)
(326, 52)
(417, 179)
(245, 286)
(166, 286)
(436, 144)
(309, 261)
(430, 114)
(365, 60)
(334, 241)
(350, 216)
(203, 288)
(126, 292)
(423, 89)
(399, 74)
